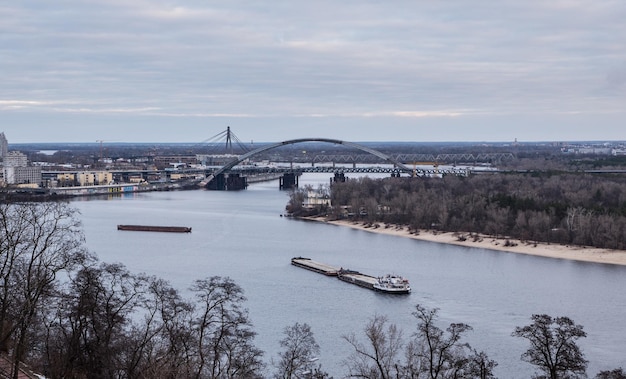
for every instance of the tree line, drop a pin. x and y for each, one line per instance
(67, 315)
(564, 208)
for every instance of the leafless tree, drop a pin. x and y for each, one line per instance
(380, 356)
(553, 349)
(432, 353)
(88, 332)
(222, 332)
(38, 241)
(617, 373)
(299, 354)
(158, 345)
(296, 199)
(481, 366)
(442, 355)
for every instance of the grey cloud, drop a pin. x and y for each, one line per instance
(616, 77)
(349, 59)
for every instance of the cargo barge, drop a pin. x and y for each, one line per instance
(392, 284)
(314, 266)
(355, 277)
(152, 228)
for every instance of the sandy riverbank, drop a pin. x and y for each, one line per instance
(578, 253)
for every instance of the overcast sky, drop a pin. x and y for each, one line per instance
(182, 71)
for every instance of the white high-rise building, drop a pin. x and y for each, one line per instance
(15, 159)
(15, 169)
(22, 175)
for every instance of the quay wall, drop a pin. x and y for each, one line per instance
(112, 189)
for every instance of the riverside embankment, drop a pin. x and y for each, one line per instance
(576, 253)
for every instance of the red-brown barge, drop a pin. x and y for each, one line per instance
(152, 228)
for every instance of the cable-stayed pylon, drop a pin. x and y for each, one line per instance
(222, 142)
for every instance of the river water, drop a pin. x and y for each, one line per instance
(243, 236)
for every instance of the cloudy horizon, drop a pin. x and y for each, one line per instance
(182, 71)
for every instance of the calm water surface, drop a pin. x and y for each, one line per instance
(241, 235)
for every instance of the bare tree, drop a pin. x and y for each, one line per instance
(222, 332)
(157, 346)
(432, 353)
(617, 373)
(553, 349)
(38, 241)
(296, 200)
(111, 323)
(439, 354)
(299, 354)
(89, 331)
(379, 358)
(481, 366)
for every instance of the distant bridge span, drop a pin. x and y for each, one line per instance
(243, 157)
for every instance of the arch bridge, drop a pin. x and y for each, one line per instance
(218, 175)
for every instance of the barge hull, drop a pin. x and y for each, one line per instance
(151, 228)
(403, 292)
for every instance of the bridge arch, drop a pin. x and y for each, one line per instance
(247, 155)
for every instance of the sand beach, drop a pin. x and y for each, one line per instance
(577, 253)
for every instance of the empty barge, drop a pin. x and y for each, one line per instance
(152, 228)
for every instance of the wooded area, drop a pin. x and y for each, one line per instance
(564, 208)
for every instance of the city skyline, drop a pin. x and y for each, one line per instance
(182, 71)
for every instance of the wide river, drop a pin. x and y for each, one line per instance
(243, 236)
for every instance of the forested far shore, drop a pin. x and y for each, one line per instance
(563, 208)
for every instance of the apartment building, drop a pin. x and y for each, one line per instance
(22, 175)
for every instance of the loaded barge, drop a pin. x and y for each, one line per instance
(151, 228)
(320, 268)
(355, 277)
(388, 284)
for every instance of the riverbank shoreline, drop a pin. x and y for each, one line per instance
(509, 245)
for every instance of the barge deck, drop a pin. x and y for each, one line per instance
(355, 277)
(320, 268)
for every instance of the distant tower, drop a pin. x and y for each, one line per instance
(229, 141)
(4, 145)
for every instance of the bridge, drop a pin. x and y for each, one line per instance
(218, 179)
(348, 170)
(236, 173)
(439, 158)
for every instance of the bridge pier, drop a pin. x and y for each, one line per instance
(235, 182)
(218, 183)
(289, 180)
(232, 182)
(339, 177)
